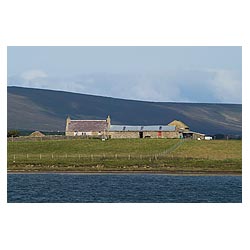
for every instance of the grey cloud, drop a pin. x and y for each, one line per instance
(227, 86)
(206, 85)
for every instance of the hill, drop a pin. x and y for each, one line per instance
(46, 110)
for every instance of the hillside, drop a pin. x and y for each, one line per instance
(46, 110)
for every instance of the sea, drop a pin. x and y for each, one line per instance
(123, 188)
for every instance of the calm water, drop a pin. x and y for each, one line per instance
(122, 188)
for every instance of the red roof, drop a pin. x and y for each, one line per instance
(87, 125)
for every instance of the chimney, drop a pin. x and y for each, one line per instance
(109, 122)
(68, 120)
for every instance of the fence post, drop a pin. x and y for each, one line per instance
(27, 156)
(115, 156)
(52, 156)
(129, 157)
(92, 157)
(14, 157)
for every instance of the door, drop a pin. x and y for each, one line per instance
(140, 134)
(159, 134)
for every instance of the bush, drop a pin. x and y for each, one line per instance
(13, 133)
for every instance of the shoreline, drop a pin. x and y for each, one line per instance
(187, 173)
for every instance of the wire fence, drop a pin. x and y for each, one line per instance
(102, 157)
(84, 156)
(171, 149)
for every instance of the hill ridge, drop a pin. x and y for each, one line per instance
(46, 110)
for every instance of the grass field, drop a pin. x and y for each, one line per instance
(93, 155)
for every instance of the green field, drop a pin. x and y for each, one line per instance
(153, 155)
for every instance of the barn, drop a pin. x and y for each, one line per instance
(179, 125)
(104, 129)
(156, 131)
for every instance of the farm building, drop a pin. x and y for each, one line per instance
(104, 128)
(179, 125)
(87, 127)
(159, 131)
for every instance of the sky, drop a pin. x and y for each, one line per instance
(155, 73)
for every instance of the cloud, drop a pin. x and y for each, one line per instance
(31, 78)
(202, 85)
(31, 75)
(128, 86)
(227, 86)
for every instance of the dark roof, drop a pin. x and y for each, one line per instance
(87, 125)
(142, 128)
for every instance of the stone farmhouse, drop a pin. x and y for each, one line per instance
(104, 129)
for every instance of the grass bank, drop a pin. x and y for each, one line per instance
(129, 155)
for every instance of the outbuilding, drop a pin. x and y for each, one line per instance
(156, 131)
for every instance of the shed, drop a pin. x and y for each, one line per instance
(193, 135)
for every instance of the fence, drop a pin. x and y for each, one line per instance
(173, 148)
(83, 156)
(36, 158)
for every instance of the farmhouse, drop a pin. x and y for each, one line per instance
(87, 127)
(104, 128)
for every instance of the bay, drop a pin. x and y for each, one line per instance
(123, 188)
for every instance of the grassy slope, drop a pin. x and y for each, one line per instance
(214, 149)
(125, 154)
(91, 146)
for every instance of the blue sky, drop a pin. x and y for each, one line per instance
(182, 74)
